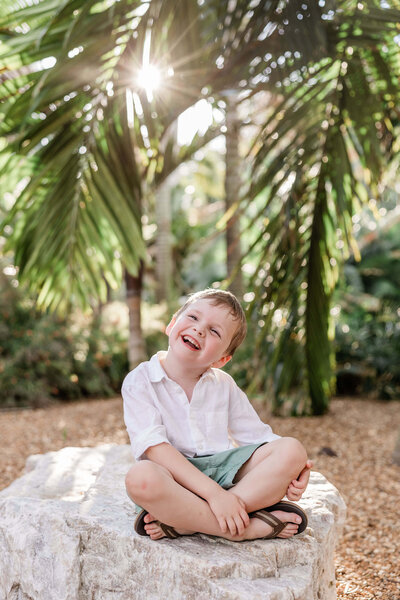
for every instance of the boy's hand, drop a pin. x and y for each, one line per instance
(230, 512)
(297, 487)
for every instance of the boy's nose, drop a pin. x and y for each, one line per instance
(199, 329)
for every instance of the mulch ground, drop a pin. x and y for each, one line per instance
(352, 446)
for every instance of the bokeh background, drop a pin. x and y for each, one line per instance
(151, 149)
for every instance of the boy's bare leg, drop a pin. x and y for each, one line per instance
(156, 490)
(153, 487)
(264, 478)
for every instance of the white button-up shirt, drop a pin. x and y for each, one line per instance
(218, 417)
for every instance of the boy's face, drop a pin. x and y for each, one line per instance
(202, 334)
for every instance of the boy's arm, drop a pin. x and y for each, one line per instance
(228, 509)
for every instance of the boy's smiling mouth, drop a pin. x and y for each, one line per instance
(191, 342)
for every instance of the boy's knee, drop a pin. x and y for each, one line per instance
(142, 481)
(294, 452)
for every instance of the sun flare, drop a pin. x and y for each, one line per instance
(149, 78)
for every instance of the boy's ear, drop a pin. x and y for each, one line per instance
(170, 325)
(221, 362)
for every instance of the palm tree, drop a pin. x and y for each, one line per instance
(85, 137)
(88, 140)
(319, 156)
(232, 195)
(174, 155)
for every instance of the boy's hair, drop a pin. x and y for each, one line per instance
(222, 298)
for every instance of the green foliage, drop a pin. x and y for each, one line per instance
(329, 132)
(44, 357)
(368, 354)
(284, 386)
(155, 340)
(199, 252)
(85, 138)
(368, 332)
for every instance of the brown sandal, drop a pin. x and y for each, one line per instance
(169, 531)
(276, 524)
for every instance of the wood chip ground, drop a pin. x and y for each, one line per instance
(352, 446)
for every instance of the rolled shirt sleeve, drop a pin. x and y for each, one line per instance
(142, 419)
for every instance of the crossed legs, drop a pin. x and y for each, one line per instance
(261, 482)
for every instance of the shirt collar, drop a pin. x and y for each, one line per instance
(157, 373)
(209, 374)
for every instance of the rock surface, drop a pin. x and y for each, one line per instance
(66, 533)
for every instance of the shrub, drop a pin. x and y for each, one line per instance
(368, 332)
(44, 357)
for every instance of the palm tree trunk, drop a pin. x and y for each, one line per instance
(163, 243)
(136, 345)
(318, 347)
(232, 188)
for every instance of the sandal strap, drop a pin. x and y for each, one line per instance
(139, 523)
(276, 524)
(169, 531)
(287, 506)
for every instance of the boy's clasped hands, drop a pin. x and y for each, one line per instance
(230, 510)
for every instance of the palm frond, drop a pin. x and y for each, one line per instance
(321, 152)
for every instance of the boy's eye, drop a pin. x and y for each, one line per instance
(192, 317)
(215, 331)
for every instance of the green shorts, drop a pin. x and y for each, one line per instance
(223, 466)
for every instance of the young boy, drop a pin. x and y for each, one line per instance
(205, 461)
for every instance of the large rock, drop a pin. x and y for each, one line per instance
(66, 533)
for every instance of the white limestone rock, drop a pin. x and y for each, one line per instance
(66, 533)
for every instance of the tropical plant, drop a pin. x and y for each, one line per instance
(368, 330)
(329, 131)
(87, 138)
(45, 357)
(232, 196)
